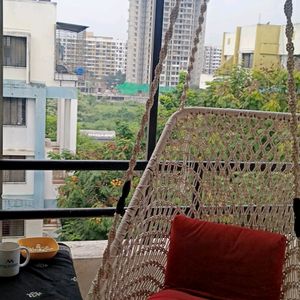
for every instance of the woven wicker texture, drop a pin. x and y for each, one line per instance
(226, 166)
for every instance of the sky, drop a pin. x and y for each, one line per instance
(109, 17)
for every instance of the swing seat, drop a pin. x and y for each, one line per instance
(171, 294)
(222, 262)
(215, 166)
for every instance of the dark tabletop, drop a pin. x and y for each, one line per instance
(53, 279)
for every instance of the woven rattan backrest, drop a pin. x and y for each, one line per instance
(227, 166)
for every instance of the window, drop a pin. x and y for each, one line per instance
(13, 176)
(14, 111)
(14, 51)
(247, 60)
(13, 228)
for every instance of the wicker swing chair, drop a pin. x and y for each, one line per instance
(218, 165)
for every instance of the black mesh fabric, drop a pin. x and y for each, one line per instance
(53, 279)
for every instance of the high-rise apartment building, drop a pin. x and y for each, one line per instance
(104, 55)
(140, 40)
(70, 48)
(92, 57)
(212, 59)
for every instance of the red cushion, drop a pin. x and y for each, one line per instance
(173, 295)
(224, 262)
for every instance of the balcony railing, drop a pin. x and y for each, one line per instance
(108, 165)
(65, 77)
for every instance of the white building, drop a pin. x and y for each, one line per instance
(140, 41)
(30, 79)
(212, 59)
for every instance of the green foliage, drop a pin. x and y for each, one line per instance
(89, 229)
(88, 189)
(96, 115)
(169, 101)
(93, 188)
(114, 79)
(249, 89)
(238, 88)
(51, 120)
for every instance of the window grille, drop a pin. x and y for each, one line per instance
(14, 111)
(12, 228)
(13, 176)
(247, 60)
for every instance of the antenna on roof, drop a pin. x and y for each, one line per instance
(259, 18)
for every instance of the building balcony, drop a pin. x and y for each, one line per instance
(86, 261)
(65, 77)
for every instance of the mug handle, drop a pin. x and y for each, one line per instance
(27, 256)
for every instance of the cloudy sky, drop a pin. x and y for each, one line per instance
(109, 17)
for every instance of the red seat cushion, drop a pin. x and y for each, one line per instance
(224, 262)
(174, 295)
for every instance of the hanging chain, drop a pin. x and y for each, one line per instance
(193, 53)
(153, 90)
(106, 268)
(288, 10)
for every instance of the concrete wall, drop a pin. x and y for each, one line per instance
(247, 40)
(229, 42)
(266, 52)
(23, 141)
(204, 78)
(18, 188)
(87, 257)
(266, 42)
(296, 40)
(35, 20)
(33, 228)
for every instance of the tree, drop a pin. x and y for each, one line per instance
(88, 189)
(114, 79)
(51, 120)
(238, 88)
(169, 101)
(93, 188)
(243, 88)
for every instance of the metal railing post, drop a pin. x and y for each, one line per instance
(1, 108)
(157, 38)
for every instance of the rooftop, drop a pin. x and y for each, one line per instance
(71, 27)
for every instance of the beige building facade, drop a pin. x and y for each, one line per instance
(259, 46)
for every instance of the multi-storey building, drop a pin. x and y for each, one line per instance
(104, 55)
(140, 35)
(212, 59)
(29, 80)
(91, 57)
(259, 46)
(70, 48)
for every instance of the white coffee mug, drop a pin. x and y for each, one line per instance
(10, 259)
